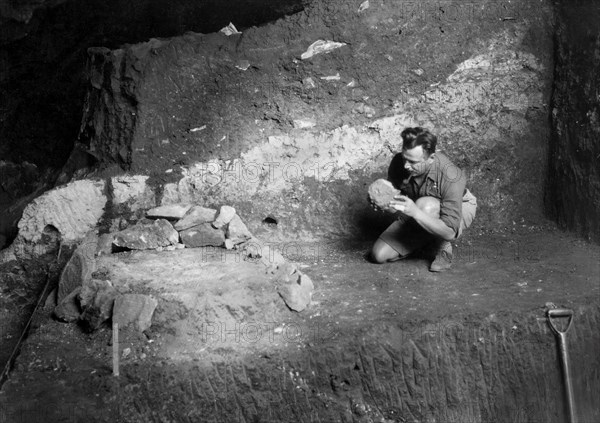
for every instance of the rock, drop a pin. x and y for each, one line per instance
(8, 254)
(229, 244)
(171, 194)
(381, 192)
(68, 309)
(79, 268)
(147, 235)
(195, 216)
(285, 272)
(237, 231)
(270, 257)
(73, 210)
(105, 242)
(319, 47)
(309, 82)
(226, 213)
(297, 294)
(134, 309)
(132, 191)
(171, 212)
(50, 302)
(96, 300)
(267, 254)
(303, 124)
(202, 235)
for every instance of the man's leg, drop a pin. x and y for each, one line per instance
(382, 252)
(443, 258)
(404, 237)
(443, 249)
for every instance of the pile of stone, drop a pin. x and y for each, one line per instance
(90, 300)
(84, 296)
(182, 225)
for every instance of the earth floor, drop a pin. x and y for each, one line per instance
(272, 364)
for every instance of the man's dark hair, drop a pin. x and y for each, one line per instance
(417, 136)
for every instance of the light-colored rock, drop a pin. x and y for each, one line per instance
(319, 47)
(226, 213)
(297, 294)
(271, 258)
(381, 192)
(79, 268)
(203, 235)
(304, 123)
(286, 272)
(133, 191)
(147, 235)
(171, 211)
(237, 231)
(73, 209)
(170, 194)
(256, 250)
(195, 216)
(134, 309)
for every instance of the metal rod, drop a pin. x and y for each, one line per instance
(16, 349)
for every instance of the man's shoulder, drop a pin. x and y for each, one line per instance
(446, 169)
(444, 162)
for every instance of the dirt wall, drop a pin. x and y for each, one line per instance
(244, 118)
(573, 188)
(494, 368)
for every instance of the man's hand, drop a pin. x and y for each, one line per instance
(387, 208)
(374, 206)
(405, 205)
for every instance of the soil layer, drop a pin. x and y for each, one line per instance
(379, 343)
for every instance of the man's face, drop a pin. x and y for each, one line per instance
(416, 161)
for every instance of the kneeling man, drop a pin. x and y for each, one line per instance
(435, 206)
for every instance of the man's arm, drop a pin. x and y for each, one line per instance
(432, 224)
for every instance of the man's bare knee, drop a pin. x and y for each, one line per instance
(382, 252)
(429, 205)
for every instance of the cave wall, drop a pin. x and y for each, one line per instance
(572, 195)
(244, 120)
(43, 45)
(43, 77)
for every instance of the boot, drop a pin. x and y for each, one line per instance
(443, 257)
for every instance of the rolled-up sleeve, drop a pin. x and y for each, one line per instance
(452, 187)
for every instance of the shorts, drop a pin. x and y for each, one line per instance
(405, 235)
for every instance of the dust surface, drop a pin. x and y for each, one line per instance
(224, 347)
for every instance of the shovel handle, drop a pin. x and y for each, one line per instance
(560, 312)
(562, 337)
